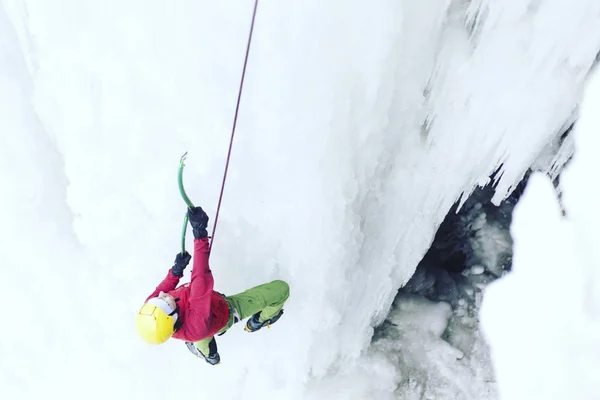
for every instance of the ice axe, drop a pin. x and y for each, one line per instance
(185, 198)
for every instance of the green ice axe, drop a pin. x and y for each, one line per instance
(185, 198)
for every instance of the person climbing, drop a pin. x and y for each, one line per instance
(194, 312)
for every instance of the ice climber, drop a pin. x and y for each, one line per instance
(194, 312)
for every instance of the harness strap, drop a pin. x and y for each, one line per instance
(179, 322)
(234, 315)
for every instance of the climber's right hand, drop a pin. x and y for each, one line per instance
(199, 221)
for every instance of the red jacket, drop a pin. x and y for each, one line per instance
(202, 311)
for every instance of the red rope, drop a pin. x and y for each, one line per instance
(237, 109)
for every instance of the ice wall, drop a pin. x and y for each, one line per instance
(360, 126)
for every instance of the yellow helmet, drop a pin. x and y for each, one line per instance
(153, 324)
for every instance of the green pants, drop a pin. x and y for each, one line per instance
(268, 298)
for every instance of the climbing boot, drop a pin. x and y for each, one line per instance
(212, 359)
(254, 324)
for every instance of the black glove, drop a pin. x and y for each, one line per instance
(199, 220)
(181, 261)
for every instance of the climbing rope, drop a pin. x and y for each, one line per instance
(237, 109)
(235, 117)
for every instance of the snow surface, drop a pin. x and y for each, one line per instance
(359, 129)
(546, 343)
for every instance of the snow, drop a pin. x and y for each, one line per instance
(543, 319)
(359, 128)
(477, 270)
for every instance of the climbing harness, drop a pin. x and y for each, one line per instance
(235, 117)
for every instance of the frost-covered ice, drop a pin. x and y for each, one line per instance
(453, 273)
(429, 367)
(359, 128)
(543, 319)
